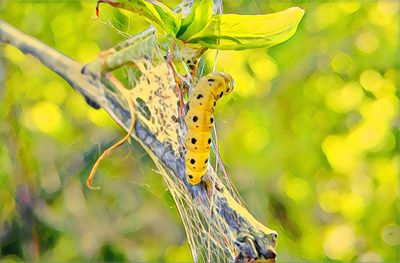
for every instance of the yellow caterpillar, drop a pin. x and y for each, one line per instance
(199, 120)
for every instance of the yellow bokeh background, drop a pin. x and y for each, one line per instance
(310, 138)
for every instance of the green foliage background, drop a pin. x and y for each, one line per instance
(310, 139)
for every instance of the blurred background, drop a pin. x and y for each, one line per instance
(310, 138)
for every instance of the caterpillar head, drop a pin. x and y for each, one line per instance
(219, 83)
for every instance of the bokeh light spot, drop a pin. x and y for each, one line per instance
(326, 14)
(367, 42)
(263, 67)
(297, 189)
(369, 257)
(256, 139)
(382, 14)
(13, 54)
(178, 254)
(349, 7)
(342, 63)
(87, 51)
(346, 98)
(369, 79)
(98, 117)
(352, 206)
(329, 201)
(62, 25)
(33, 22)
(391, 234)
(55, 92)
(341, 156)
(339, 242)
(45, 117)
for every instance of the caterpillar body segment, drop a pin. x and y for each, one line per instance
(198, 141)
(198, 101)
(199, 122)
(197, 162)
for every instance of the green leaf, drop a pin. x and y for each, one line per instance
(238, 32)
(154, 12)
(197, 20)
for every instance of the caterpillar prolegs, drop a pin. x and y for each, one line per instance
(199, 121)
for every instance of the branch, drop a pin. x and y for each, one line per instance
(214, 213)
(61, 64)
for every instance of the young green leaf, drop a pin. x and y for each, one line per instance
(154, 12)
(237, 32)
(197, 20)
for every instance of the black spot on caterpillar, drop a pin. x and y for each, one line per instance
(199, 120)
